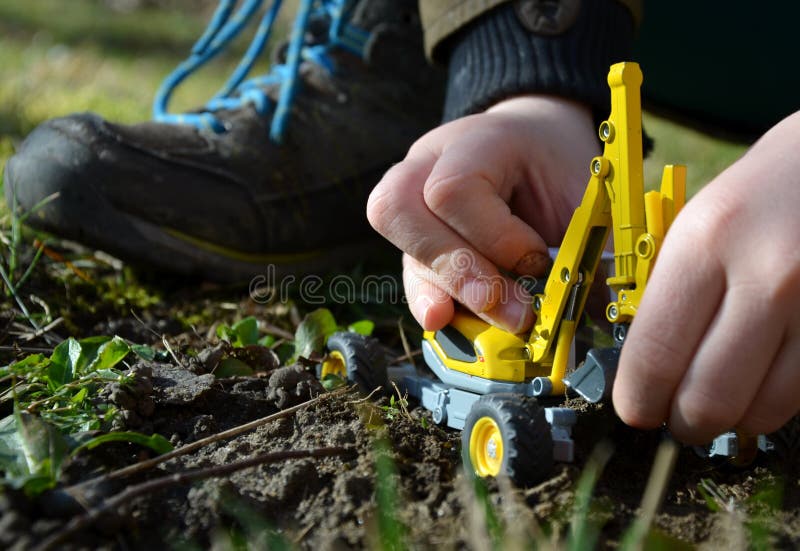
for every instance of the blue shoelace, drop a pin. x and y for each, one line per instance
(236, 93)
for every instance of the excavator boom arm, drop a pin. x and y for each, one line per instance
(614, 202)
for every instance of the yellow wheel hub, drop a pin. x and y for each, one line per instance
(334, 365)
(486, 447)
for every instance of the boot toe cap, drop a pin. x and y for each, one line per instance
(49, 169)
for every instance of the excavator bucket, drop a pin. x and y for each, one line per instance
(595, 378)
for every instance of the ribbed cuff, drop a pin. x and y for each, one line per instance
(496, 58)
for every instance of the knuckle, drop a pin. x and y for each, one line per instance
(636, 409)
(380, 208)
(425, 144)
(700, 415)
(764, 420)
(439, 193)
(388, 201)
(502, 239)
(653, 351)
(785, 281)
(642, 390)
(707, 222)
(769, 412)
(768, 296)
(633, 411)
(656, 361)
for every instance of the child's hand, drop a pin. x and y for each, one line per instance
(486, 191)
(716, 342)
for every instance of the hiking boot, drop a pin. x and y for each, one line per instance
(274, 171)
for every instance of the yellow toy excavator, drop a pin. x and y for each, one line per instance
(491, 383)
(502, 370)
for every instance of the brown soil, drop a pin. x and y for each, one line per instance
(332, 502)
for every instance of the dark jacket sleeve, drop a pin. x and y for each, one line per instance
(559, 47)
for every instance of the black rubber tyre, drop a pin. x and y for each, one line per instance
(526, 452)
(364, 360)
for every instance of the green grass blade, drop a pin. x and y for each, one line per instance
(391, 532)
(155, 442)
(653, 496)
(583, 533)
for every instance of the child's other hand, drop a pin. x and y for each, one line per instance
(485, 191)
(716, 342)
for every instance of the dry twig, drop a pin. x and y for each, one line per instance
(176, 479)
(404, 340)
(277, 331)
(26, 349)
(188, 448)
(46, 329)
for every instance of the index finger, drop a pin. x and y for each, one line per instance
(397, 210)
(682, 297)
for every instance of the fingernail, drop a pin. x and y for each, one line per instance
(513, 317)
(519, 316)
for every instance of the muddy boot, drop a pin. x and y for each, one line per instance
(275, 170)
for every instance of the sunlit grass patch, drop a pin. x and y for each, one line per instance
(55, 61)
(704, 155)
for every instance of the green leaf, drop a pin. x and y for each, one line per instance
(94, 341)
(109, 354)
(711, 503)
(242, 333)
(231, 367)
(267, 341)
(285, 352)
(362, 327)
(62, 363)
(28, 364)
(107, 374)
(225, 333)
(89, 349)
(246, 331)
(769, 493)
(33, 485)
(45, 447)
(331, 381)
(31, 452)
(12, 456)
(155, 442)
(72, 358)
(313, 331)
(79, 396)
(144, 352)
